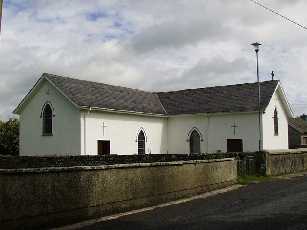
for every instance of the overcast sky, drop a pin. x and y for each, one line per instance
(153, 45)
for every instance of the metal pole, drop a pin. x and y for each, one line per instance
(1, 6)
(259, 102)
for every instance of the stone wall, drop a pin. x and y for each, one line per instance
(13, 162)
(286, 162)
(45, 197)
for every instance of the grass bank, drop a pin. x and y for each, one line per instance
(253, 179)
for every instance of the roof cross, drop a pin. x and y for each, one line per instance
(272, 74)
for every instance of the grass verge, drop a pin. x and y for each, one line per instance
(252, 179)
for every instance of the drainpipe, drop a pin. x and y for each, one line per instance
(208, 130)
(84, 133)
(84, 128)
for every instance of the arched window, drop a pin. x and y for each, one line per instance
(141, 143)
(194, 142)
(275, 122)
(47, 120)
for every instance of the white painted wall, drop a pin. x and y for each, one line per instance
(215, 129)
(270, 141)
(122, 131)
(66, 125)
(76, 132)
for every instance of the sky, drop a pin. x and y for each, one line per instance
(159, 45)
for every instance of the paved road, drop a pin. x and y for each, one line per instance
(277, 204)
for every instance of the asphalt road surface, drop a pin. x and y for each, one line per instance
(277, 204)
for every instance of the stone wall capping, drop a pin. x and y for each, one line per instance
(287, 151)
(106, 167)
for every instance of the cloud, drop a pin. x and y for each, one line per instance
(153, 45)
(176, 34)
(215, 71)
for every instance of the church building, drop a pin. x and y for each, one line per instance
(66, 116)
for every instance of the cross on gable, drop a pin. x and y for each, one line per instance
(234, 126)
(103, 127)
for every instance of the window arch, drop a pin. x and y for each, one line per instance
(194, 140)
(141, 142)
(275, 122)
(47, 116)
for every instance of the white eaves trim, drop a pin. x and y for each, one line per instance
(284, 100)
(34, 89)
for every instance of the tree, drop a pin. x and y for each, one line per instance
(9, 137)
(304, 117)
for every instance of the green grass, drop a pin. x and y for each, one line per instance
(252, 179)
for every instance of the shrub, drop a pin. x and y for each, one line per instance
(9, 137)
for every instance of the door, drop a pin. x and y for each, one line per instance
(234, 145)
(194, 142)
(103, 147)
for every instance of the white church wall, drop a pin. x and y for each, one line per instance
(122, 130)
(66, 125)
(221, 129)
(178, 130)
(215, 130)
(270, 141)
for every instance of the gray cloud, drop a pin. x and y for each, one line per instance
(216, 71)
(176, 34)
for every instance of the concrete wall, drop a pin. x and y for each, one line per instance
(122, 131)
(66, 125)
(215, 130)
(286, 162)
(270, 141)
(55, 196)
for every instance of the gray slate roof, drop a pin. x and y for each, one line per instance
(87, 93)
(298, 124)
(232, 98)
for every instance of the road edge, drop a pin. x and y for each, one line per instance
(116, 216)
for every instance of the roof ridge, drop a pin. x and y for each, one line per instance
(101, 83)
(155, 92)
(218, 86)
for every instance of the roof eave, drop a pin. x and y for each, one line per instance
(285, 101)
(20, 106)
(214, 113)
(89, 108)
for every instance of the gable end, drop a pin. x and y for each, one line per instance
(33, 91)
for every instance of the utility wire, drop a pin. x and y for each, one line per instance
(279, 14)
(287, 19)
